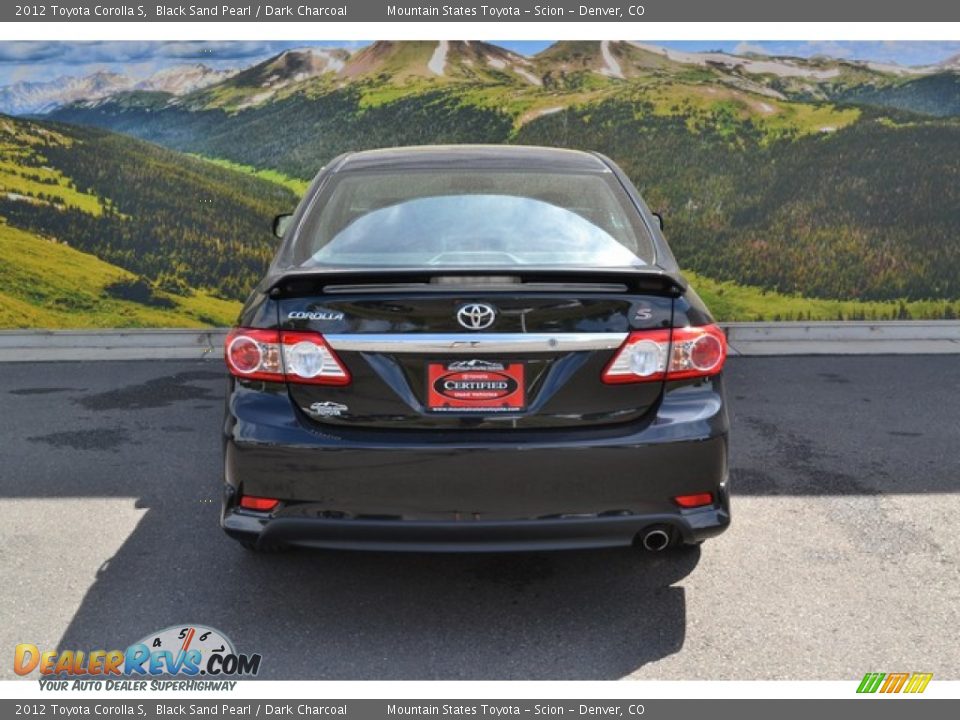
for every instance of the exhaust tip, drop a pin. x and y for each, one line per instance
(655, 540)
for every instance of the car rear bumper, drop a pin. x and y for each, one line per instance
(456, 492)
(472, 535)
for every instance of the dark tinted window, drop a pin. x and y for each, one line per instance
(456, 218)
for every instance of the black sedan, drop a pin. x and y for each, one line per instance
(474, 348)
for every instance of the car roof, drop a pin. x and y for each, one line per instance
(473, 157)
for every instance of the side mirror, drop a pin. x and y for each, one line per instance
(659, 218)
(281, 223)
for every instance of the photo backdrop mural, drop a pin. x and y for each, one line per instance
(138, 180)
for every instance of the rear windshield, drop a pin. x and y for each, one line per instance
(460, 219)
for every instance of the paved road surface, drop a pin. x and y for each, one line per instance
(843, 556)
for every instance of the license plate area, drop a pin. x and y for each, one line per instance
(464, 386)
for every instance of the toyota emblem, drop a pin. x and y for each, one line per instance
(476, 316)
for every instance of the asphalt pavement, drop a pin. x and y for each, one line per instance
(843, 557)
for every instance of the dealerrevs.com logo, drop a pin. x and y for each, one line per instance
(199, 657)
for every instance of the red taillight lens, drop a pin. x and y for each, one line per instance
(652, 355)
(254, 354)
(261, 504)
(697, 352)
(693, 501)
(281, 356)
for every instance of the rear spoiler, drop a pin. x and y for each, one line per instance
(650, 281)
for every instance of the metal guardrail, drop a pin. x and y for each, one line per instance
(132, 344)
(909, 337)
(906, 337)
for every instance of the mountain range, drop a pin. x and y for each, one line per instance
(816, 78)
(35, 98)
(791, 187)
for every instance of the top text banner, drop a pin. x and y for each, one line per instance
(486, 11)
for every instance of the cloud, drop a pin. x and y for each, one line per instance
(827, 48)
(127, 52)
(744, 48)
(18, 52)
(44, 61)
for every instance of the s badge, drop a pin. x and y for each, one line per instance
(642, 312)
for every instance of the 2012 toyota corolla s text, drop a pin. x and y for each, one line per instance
(474, 348)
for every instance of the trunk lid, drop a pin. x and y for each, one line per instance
(478, 351)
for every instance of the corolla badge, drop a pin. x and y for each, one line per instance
(327, 409)
(315, 315)
(476, 316)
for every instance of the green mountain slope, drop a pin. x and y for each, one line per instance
(794, 197)
(187, 226)
(937, 95)
(866, 212)
(47, 284)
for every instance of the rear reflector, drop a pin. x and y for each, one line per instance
(282, 356)
(653, 355)
(692, 501)
(251, 502)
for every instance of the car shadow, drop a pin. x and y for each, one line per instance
(152, 436)
(148, 431)
(361, 616)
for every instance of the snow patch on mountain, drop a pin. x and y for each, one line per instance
(34, 98)
(439, 60)
(754, 66)
(611, 67)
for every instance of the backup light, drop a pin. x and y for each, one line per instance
(304, 359)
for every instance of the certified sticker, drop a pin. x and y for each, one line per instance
(475, 386)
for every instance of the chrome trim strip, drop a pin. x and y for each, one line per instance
(469, 343)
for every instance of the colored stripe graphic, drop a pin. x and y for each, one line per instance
(894, 682)
(913, 683)
(918, 682)
(870, 682)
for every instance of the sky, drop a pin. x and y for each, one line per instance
(48, 60)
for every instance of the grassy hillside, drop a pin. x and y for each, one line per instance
(730, 301)
(937, 95)
(184, 224)
(767, 181)
(866, 212)
(295, 185)
(46, 284)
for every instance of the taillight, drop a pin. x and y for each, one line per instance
(282, 356)
(697, 352)
(254, 354)
(695, 500)
(260, 504)
(652, 355)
